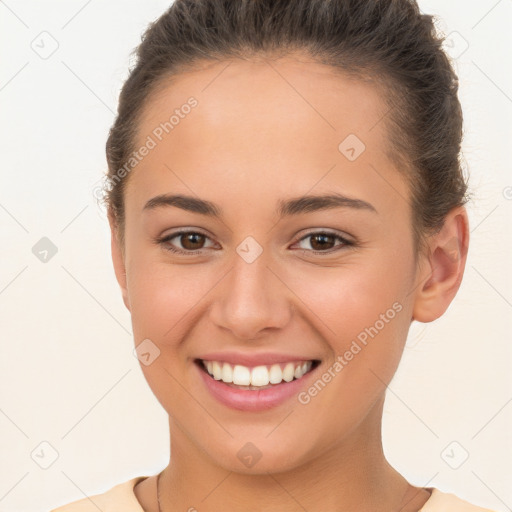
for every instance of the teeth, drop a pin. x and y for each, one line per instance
(217, 370)
(227, 373)
(258, 376)
(241, 375)
(288, 372)
(275, 374)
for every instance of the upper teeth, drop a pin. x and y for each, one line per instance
(258, 375)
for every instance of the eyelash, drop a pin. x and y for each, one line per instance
(164, 241)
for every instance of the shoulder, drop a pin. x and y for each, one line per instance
(444, 502)
(119, 498)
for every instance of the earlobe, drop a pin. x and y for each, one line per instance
(118, 261)
(442, 270)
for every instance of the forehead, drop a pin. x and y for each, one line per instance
(264, 124)
(247, 94)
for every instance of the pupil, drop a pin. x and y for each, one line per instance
(190, 238)
(323, 237)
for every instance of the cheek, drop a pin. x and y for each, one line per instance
(363, 313)
(367, 328)
(348, 299)
(165, 298)
(165, 301)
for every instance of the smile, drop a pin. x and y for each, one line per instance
(257, 377)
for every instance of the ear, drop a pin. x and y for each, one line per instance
(441, 270)
(118, 259)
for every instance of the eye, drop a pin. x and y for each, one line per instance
(192, 242)
(325, 240)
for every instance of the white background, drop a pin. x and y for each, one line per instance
(68, 374)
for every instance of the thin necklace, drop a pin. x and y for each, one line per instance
(158, 491)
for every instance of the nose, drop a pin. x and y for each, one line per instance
(251, 300)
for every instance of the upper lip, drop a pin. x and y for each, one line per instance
(248, 359)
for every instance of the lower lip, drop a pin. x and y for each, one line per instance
(253, 400)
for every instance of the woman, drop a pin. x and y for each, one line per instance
(285, 197)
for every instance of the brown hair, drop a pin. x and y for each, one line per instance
(386, 41)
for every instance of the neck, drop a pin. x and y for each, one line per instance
(353, 475)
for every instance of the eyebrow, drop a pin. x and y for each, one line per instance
(294, 206)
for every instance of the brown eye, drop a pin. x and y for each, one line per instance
(192, 241)
(184, 242)
(324, 243)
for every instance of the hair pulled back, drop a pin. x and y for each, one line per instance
(389, 42)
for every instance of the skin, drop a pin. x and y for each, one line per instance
(268, 130)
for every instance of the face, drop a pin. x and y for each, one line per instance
(263, 277)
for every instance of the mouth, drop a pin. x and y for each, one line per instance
(256, 377)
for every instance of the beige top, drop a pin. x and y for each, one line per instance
(121, 498)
